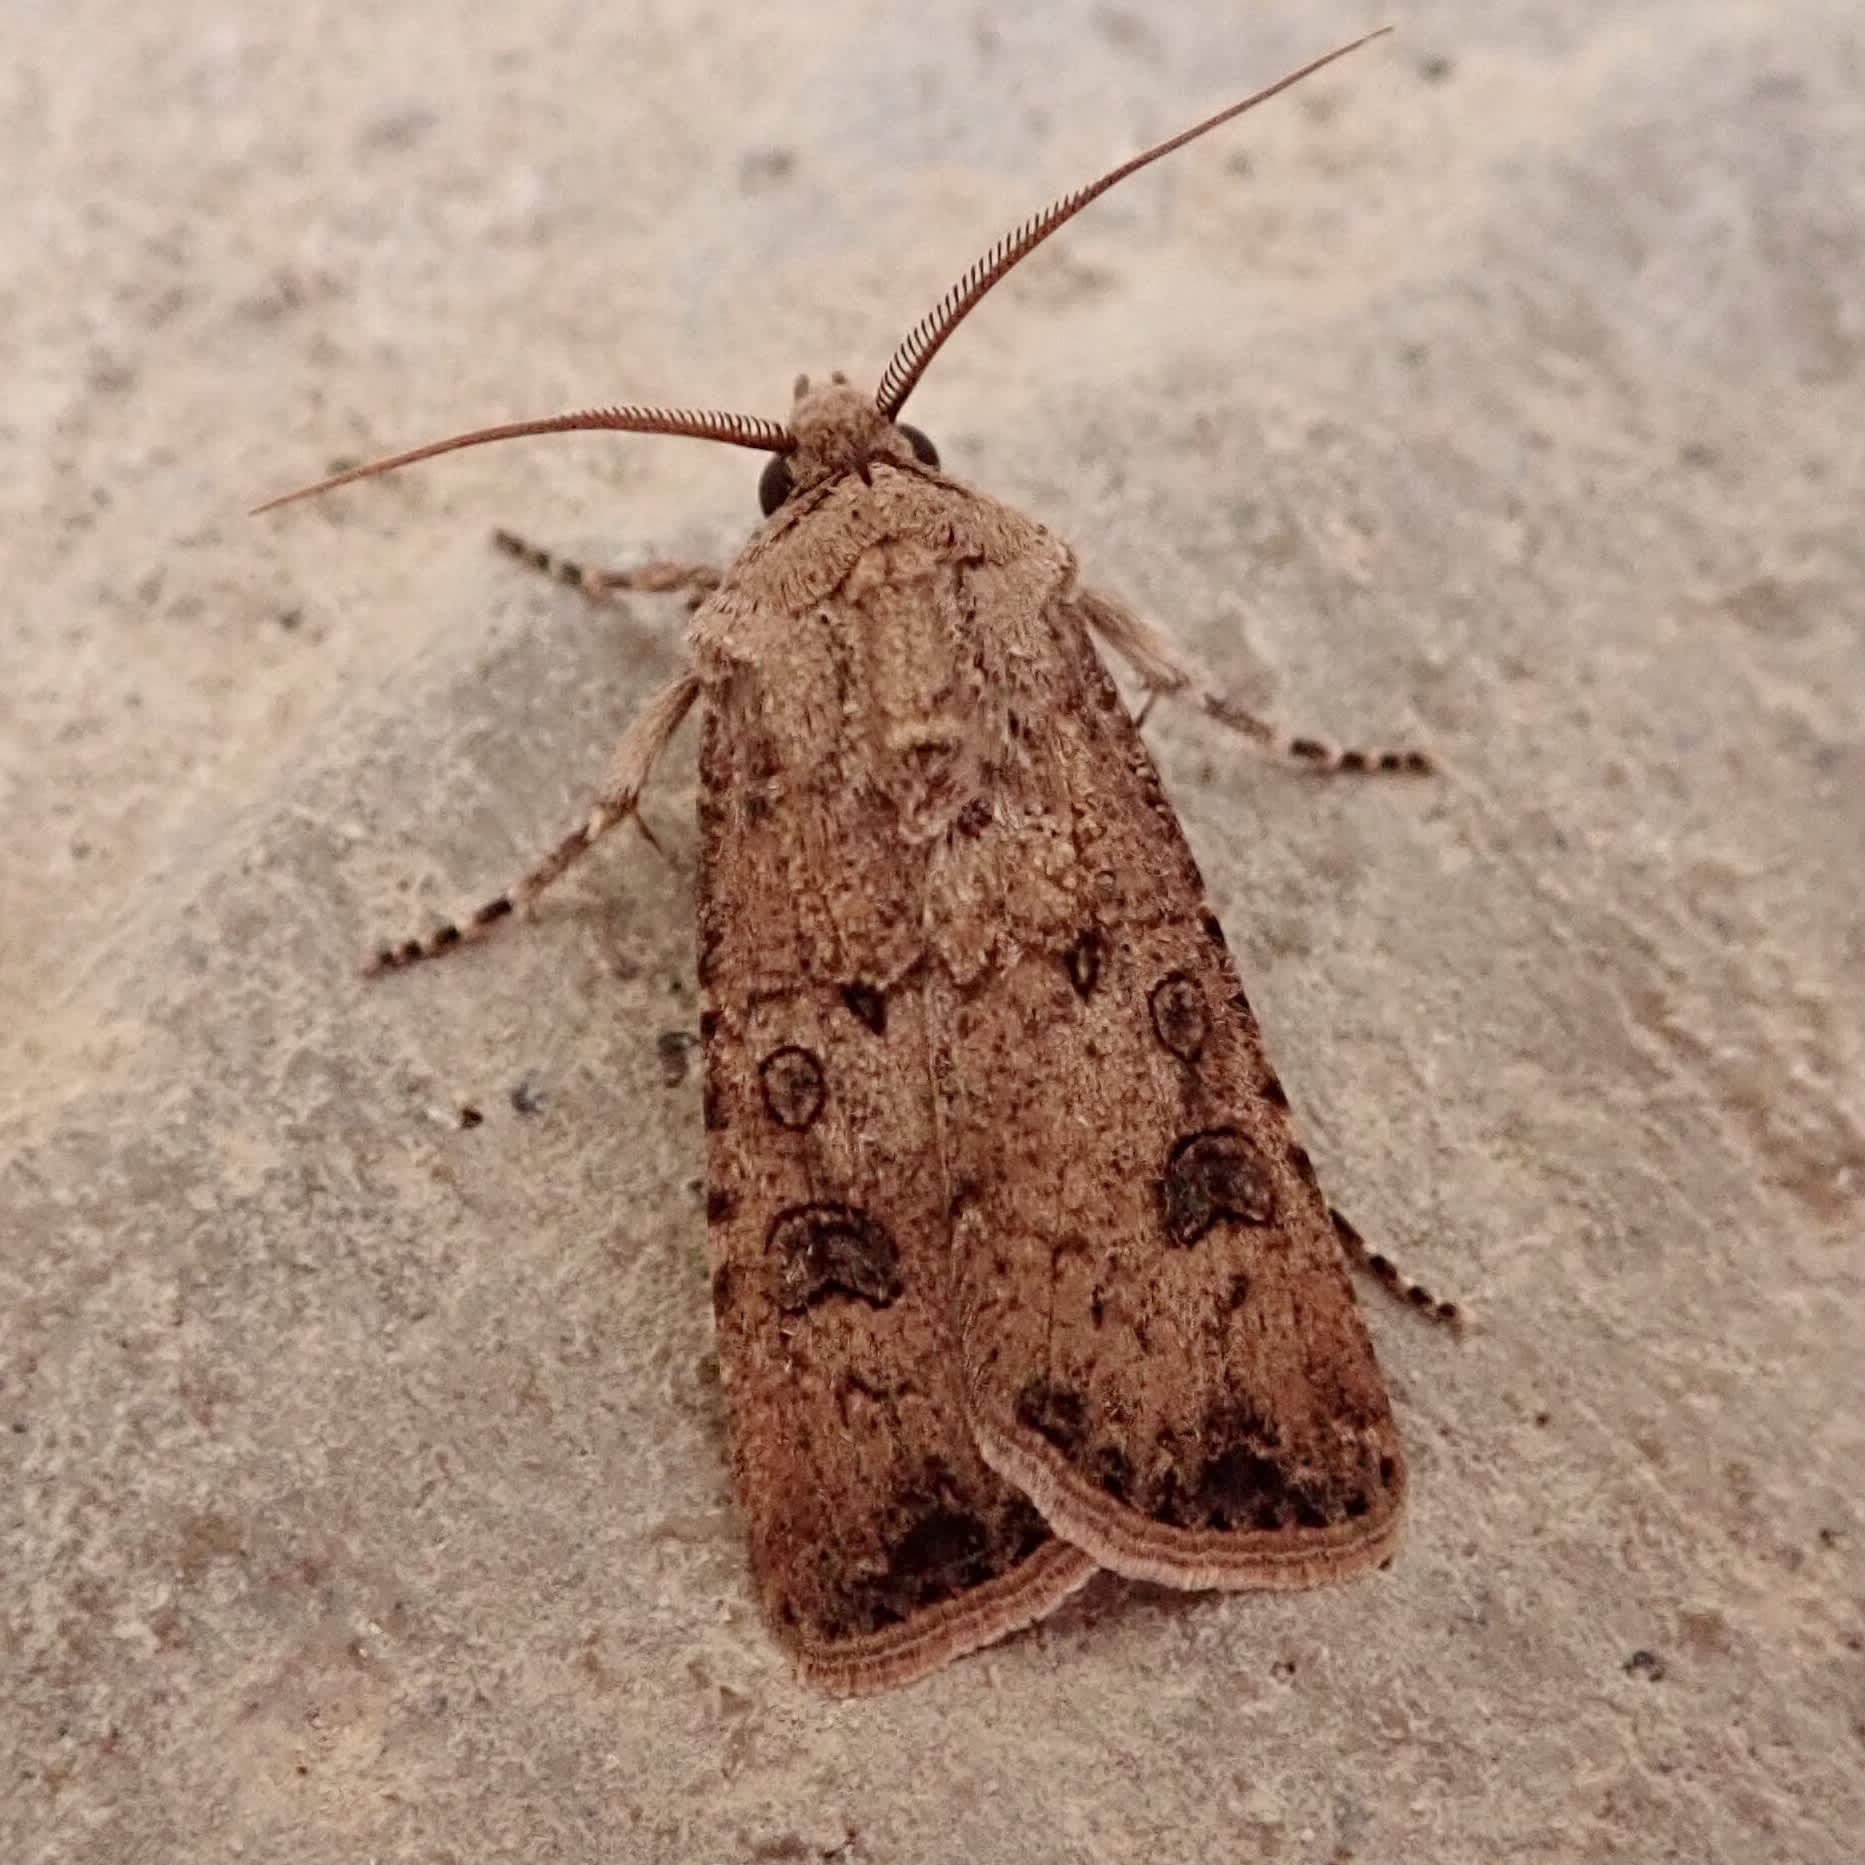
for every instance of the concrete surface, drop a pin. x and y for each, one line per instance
(363, 1491)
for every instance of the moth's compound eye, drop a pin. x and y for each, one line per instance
(924, 451)
(774, 483)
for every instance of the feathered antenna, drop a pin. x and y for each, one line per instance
(910, 360)
(739, 430)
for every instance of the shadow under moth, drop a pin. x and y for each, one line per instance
(1018, 1267)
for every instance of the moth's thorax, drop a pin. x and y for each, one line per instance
(839, 430)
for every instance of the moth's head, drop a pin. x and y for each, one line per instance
(836, 430)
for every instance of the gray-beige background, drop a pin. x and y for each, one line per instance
(362, 1481)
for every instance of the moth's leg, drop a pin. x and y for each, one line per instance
(643, 742)
(658, 577)
(1390, 1277)
(1154, 657)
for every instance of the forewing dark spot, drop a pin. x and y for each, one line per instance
(791, 1079)
(1247, 1478)
(1113, 1471)
(833, 1249)
(726, 1282)
(941, 1550)
(1052, 1411)
(1179, 1019)
(1212, 1176)
(1240, 1485)
(867, 1004)
(945, 1540)
(1165, 1500)
(1084, 959)
(1310, 1507)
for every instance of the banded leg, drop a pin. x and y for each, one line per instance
(1153, 656)
(1391, 1278)
(659, 577)
(643, 742)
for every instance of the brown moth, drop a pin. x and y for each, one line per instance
(1019, 1269)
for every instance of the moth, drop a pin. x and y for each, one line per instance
(1019, 1269)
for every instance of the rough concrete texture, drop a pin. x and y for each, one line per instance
(363, 1490)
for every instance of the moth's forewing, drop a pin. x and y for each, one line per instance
(1160, 1342)
(882, 1544)
(1001, 1184)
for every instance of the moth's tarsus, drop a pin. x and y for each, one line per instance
(658, 577)
(1390, 1277)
